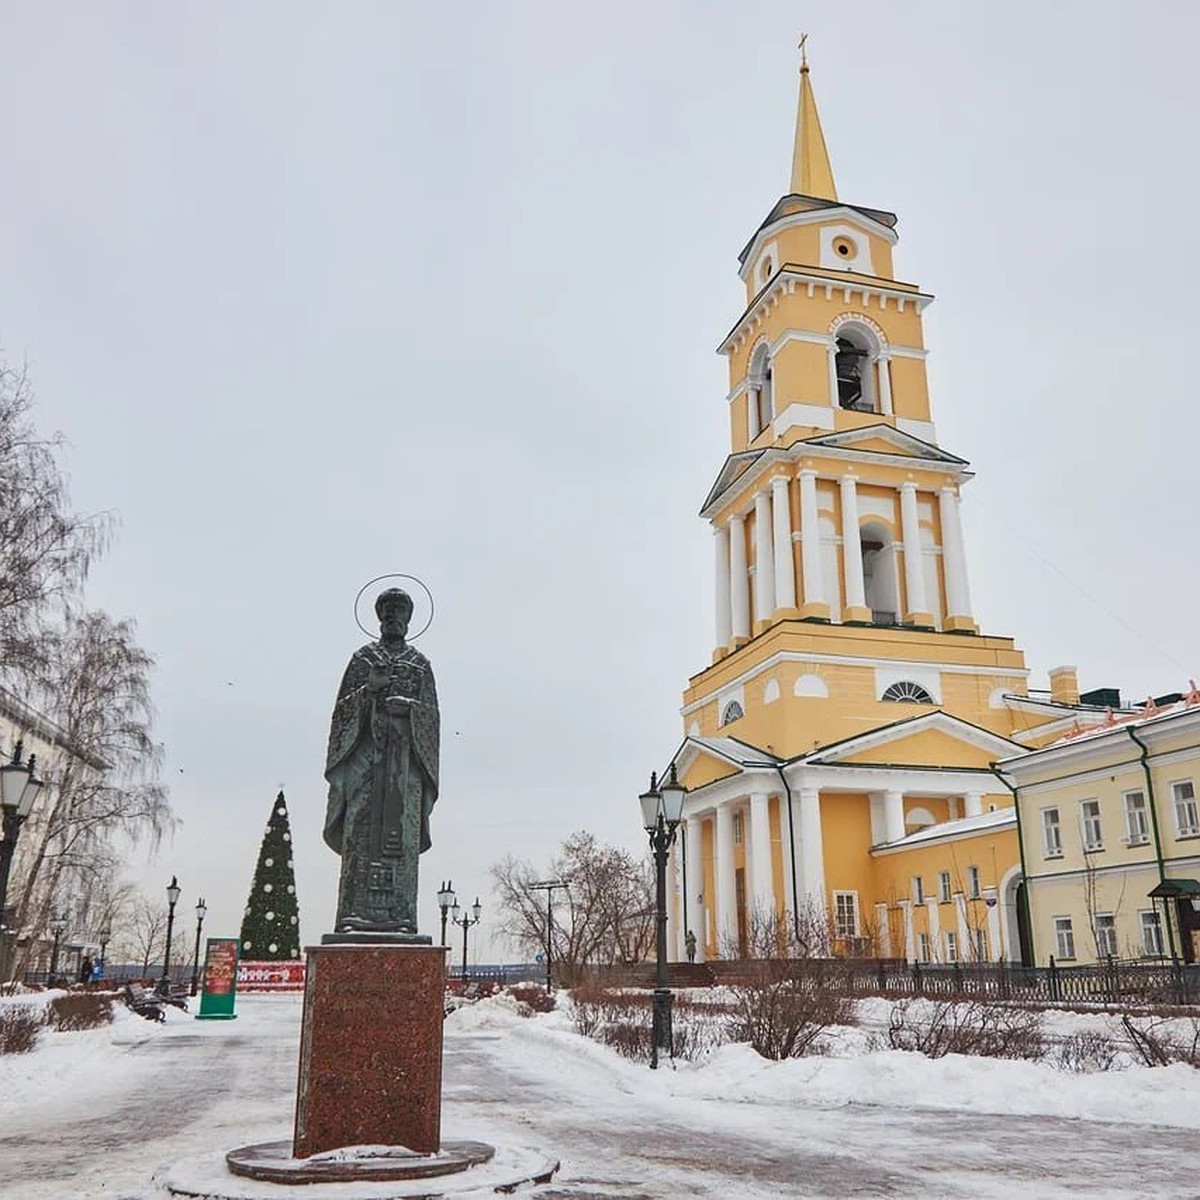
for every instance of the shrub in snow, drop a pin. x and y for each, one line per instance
(533, 997)
(1085, 1053)
(622, 1019)
(19, 1026)
(79, 1010)
(939, 1027)
(783, 1015)
(1160, 1041)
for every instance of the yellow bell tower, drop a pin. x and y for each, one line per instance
(842, 599)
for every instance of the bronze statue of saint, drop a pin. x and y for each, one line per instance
(382, 768)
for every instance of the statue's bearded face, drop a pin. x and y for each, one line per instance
(393, 620)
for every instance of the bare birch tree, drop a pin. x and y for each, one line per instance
(605, 916)
(45, 548)
(104, 788)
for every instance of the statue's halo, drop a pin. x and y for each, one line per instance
(412, 637)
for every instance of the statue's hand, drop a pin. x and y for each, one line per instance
(377, 680)
(397, 706)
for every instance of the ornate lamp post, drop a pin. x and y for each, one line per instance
(173, 890)
(57, 924)
(201, 912)
(446, 901)
(548, 887)
(466, 921)
(662, 810)
(18, 790)
(104, 936)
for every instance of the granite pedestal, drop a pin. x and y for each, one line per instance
(371, 1049)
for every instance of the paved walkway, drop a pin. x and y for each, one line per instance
(220, 1087)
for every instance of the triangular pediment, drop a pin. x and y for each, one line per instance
(884, 439)
(734, 467)
(700, 761)
(933, 740)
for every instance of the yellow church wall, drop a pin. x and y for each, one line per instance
(929, 746)
(705, 770)
(846, 835)
(738, 418)
(800, 374)
(910, 389)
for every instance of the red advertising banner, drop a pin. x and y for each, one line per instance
(220, 966)
(284, 976)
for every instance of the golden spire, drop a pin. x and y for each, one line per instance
(811, 173)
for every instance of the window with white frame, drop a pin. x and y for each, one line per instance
(1064, 938)
(981, 947)
(1137, 829)
(944, 887)
(1186, 824)
(845, 914)
(973, 883)
(1051, 833)
(1152, 935)
(918, 890)
(1089, 818)
(951, 946)
(923, 947)
(739, 828)
(1106, 935)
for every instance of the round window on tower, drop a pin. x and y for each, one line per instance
(843, 247)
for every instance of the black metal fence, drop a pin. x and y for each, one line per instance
(1137, 983)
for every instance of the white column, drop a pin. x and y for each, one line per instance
(751, 413)
(833, 388)
(762, 874)
(739, 590)
(785, 569)
(721, 579)
(893, 815)
(966, 947)
(878, 821)
(810, 543)
(995, 947)
(764, 558)
(675, 952)
(910, 938)
(693, 832)
(726, 913)
(852, 544)
(914, 555)
(958, 594)
(935, 929)
(973, 802)
(885, 385)
(883, 935)
(812, 852)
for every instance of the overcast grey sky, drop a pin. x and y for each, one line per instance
(322, 291)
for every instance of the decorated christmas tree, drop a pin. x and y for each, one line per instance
(271, 926)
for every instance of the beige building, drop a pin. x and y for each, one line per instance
(1109, 836)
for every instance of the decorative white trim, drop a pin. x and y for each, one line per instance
(812, 686)
(855, 318)
(829, 257)
(846, 660)
(919, 429)
(812, 217)
(771, 691)
(799, 412)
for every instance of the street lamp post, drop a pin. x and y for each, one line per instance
(662, 810)
(57, 924)
(201, 912)
(548, 887)
(104, 937)
(466, 921)
(18, 790)
(446, 901)
(173, 890)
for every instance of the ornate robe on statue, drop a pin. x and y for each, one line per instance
(382, 770)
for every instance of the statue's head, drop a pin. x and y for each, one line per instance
(394, 608)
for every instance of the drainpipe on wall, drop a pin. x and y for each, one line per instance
(792, 843)
(1158, 854)
(1024, 901)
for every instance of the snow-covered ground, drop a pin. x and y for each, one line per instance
(98, 1113)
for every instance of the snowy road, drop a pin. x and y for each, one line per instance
(94, 1114)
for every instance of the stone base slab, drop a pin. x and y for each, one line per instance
(371, 1049)
(207, 1177)
(273, 1162)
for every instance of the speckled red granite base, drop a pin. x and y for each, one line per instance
(371, 1049)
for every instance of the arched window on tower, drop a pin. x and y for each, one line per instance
(761, 382)
(907, 692)
(854, 365)
(733, 712)
(880, 589)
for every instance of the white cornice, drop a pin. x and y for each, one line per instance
(816, 216)
(847, 660)
(787, 279)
